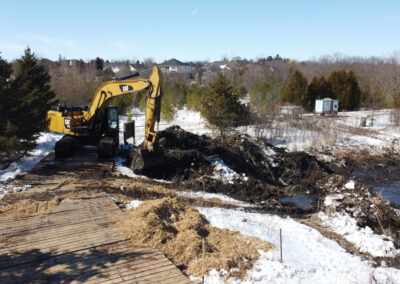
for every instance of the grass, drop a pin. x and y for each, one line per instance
(177, 230)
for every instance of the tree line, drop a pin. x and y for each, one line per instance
(30, 85)
(340, 84)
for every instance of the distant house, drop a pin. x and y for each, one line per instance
(176, 66)
(209, 72)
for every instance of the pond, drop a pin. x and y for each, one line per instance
(300, 200)
(391, 191)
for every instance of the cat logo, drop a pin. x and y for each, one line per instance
(125, 88)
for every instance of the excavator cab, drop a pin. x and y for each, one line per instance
(109, 141)
(113, 120)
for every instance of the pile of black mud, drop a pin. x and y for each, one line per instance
(247, 169)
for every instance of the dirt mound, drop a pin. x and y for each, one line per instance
(177, 230)
(245, 168)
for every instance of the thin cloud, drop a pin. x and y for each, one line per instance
(119, 45)
(11, 46)
(52, 41)
(194, 12)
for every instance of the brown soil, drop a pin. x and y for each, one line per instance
(177, 230)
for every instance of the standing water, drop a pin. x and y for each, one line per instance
(391, 191)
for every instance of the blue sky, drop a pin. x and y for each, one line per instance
(199, 30)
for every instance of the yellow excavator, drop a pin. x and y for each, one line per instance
(98, 124)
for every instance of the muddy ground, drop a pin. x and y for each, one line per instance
(250, 170)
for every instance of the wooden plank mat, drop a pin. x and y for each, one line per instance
(77, 243)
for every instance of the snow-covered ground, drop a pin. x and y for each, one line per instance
(45, 144)
(186, 119)
(300, 136)
(363, 238)
(343, 130)
(126, 171)
(308, 257)
(207, 196)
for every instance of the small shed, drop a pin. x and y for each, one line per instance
(326, 106)
(292, 112)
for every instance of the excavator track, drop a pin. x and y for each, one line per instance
(66, 146)
(106, 147)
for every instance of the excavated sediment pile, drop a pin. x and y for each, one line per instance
(247, 169)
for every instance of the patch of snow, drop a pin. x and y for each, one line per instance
(131, 68)
(115, 69)
(133, 204)
(224, 66)
(350, 185)
(269, 154)
(126, 171)
(396, 211)
(308, 257)
(207, 196)
(45, 143)
(363, 238)
(21, 188)
(223, 172)
(332, 200)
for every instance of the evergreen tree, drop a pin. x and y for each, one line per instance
(99, 63)
(345, 88)
(295, 91)
(6, 142)
(319, 88)
(221, 106)
(31, 99)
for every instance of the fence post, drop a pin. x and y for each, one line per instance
(202, 268)
(280, 238)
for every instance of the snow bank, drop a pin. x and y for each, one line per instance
(363, 238)
(133, 204)
(45, 143)
(206, 196)
(308, 257)
(126, 171)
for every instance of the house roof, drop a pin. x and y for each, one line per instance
(211, 67)
(174, 62)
